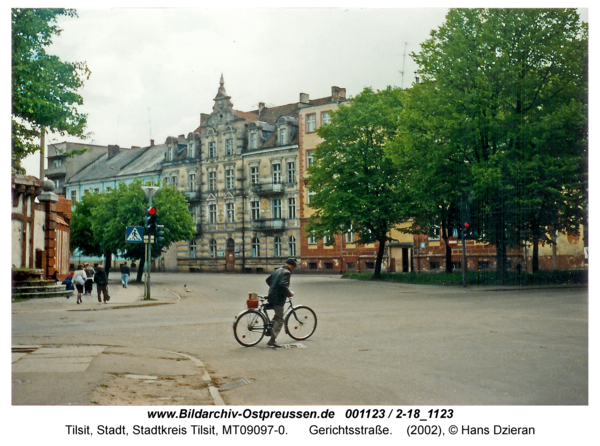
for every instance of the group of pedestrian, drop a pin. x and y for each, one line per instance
(84, 278)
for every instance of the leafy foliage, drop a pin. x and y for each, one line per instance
(99, 221)
(506, 90)
(44, 88)
(356, 187)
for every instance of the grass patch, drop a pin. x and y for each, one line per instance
(569, 277)
(16, 300)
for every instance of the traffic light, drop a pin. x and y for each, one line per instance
(150, 220)
(160, 233)
(470, 231)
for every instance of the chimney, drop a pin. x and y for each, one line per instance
(112, 151)
(203, 117)
(304, 98)
(151, 143)
(261, 106)
(338, 94)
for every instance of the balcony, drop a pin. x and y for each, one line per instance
(53, 171)
(267, 188)
(269, 225)
(191, 194)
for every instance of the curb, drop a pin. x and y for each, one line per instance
(214, 392)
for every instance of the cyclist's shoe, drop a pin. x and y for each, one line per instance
(274, 345)
(268, 333)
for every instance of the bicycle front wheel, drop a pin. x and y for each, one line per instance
(301, 323)
(249, 328)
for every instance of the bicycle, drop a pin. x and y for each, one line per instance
(252, 324)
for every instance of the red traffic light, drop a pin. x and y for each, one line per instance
(466, 225)
(151, 211)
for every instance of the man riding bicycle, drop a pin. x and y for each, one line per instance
(279, 291)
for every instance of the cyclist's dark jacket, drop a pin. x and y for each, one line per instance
(279, 283)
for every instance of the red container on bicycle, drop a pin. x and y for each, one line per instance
(252, 301)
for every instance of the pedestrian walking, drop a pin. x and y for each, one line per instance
(79, 279)
(68, 282)
(124, 274)
(101, 284)
(279, 291)
(89, 283)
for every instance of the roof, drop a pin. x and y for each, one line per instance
(126, 163)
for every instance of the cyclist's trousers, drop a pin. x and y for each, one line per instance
(277, 322)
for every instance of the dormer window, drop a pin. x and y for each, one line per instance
(170, 154)
(229, 146)
(282, 135)
(191, 151)
(212, 149)
(254, 140)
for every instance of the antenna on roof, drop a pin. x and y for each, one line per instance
(403, 62)
(149, 124)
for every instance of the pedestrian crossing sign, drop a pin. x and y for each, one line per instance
(134, 234)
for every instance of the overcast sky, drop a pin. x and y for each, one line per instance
(153, 71)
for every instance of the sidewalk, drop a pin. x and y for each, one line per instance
(73, 374)
(120, 297)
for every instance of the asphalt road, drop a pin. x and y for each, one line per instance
(376, 343)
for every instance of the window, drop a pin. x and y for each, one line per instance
(97, 190)
(174, 180)
(253, 140)
(310, 123)
(108, 188)
(170, 154)
(277, 246)
(73, 195)
(192, 250)
(229, 179)
(230, 211)
(212, 247)
(312, 240)
(309, 158)
(229, 146)
(254, 210)
(57, 184)
(350, 237)
(292, 246)
(310, 194)
(255, 247)
(57, 163)
(291, 208)
(351, 266)
(325, 118)
(313, 265)
(434, 234)
(369, 265)
(212, 213)
(212, 181)
(194, 213)
(327, 240)
(276, 173)
(276, 208)
(254, 175)
(291, 172)
(191, 151)
(192, 181)
(328, 265)
(212, 149)
(434, 265)
(484, 264)
(282, 135)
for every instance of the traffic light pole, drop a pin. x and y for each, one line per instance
(464, 259)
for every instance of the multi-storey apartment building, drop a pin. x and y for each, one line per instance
(62, 165)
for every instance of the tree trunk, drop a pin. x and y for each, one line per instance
(448, 258)
(379, 261)
(501, 246)
(535, 257)
(140, 271)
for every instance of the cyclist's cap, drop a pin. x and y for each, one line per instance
(291, 262)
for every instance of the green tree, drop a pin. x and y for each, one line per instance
(435, 174)
(44, 88)
(82, 234)
(356, 187)
(512, 87)
(108, 216)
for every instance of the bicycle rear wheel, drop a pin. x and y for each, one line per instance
(301, 323)
(249, 328)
